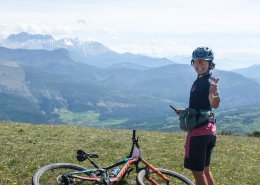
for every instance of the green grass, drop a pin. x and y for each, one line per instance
(88, 118)
(25, 148)
(74, 117)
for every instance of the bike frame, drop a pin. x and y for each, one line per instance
(129, 162)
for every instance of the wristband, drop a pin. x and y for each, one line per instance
(215, 96)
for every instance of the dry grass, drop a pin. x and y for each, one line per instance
(24, 148)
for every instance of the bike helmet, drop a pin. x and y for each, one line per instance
(203, 53)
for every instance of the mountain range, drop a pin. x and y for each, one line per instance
(88, 52)
(250, 72)
(44, 80)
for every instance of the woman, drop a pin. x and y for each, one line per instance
(204, 96)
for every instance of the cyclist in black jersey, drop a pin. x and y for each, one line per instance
(204, 96)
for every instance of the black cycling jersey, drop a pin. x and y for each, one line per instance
(199, 93)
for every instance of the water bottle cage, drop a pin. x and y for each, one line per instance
(115, 171)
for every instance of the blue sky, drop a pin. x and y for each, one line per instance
(162, 28)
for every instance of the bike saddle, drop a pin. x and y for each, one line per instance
(81, 155)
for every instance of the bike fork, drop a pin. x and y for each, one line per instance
(155, 170)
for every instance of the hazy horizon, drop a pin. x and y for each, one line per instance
(167, 28)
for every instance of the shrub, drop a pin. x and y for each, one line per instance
(254, 134)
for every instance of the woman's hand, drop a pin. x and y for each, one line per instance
(214, 93)
(214, 87)
(178, 111)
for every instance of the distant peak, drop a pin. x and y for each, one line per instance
(24, 36)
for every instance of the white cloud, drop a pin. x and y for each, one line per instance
(82, 21)
(58, 30)
(155, 48)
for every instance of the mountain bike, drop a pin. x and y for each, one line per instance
(72, 174)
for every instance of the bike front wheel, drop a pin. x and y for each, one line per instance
(57, 173)
(175, 178)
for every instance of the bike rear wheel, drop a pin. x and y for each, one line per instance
(54, 174)
(175, 178)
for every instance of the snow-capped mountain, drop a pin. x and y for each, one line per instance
(38, 41)
(89, 52)
(23, 37)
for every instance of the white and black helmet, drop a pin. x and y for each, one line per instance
(203, 53)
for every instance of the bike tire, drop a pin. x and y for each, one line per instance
(175, 178)
(40, 179)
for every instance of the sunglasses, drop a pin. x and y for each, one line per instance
(197, 62)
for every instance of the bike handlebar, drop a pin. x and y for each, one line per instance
(134, 135)
(134, 143)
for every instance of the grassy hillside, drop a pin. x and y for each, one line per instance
(240, 121)
(24, 148)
